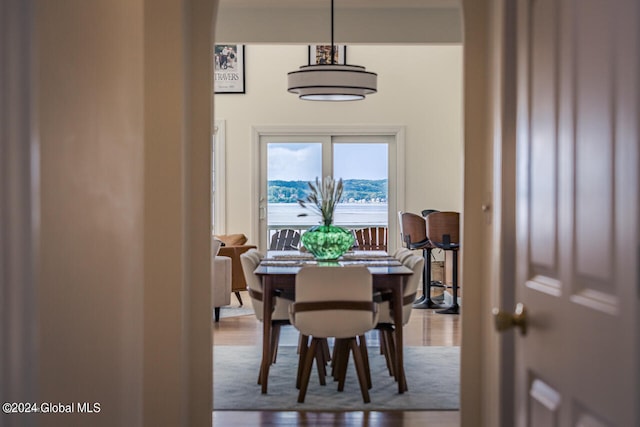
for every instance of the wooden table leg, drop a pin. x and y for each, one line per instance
(397, 319)
(267, 307)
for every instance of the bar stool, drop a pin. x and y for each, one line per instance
(413, 230)
(443, 229)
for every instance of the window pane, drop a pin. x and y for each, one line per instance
(364, 168)
(289, 167)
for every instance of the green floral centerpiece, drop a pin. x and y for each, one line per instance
(325, 241)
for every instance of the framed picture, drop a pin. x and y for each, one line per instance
(228, 68)
(321, 54)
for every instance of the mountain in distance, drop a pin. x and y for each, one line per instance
(355, 191)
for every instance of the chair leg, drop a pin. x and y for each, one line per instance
(343, 356)
(239, 298)
(325, 350)
(365, 358)
(216, 314)
(336, 360)
(306, 369)
(390, 351)
(320, 363)
(303, 346)
(342, 360)
(385, 346)
(360, 369)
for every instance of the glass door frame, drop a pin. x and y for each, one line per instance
(313, 133)
(327, 169)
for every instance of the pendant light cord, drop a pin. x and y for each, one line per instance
(333, 54)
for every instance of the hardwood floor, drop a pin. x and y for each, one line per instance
(425, 328)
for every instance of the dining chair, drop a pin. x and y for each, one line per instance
(333, 301)
(371, 238)
(385, 324)
(401, 254)
(285, 239)
(414, 236)
(443, 229)
(280, 315)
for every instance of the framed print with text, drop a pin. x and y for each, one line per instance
(321, 54)
(228, 68)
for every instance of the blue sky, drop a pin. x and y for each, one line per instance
(302, 161)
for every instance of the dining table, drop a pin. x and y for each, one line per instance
(278, 270)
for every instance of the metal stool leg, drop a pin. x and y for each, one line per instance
(454, 308)
(425, 301)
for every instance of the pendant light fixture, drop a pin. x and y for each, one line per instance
(332, 82)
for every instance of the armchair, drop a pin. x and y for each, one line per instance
(220, 279)
(234, 246)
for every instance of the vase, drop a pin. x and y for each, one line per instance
(327, 242)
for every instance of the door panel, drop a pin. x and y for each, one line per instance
(544, 144)
(577, 213)
(544, 404)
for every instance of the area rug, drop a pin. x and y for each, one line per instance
(433, 377)
(234, 311)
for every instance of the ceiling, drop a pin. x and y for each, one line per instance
(371, 4)
(356, 21)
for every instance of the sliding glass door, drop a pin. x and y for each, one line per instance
(288, 163)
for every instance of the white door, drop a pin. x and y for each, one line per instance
(577, 213)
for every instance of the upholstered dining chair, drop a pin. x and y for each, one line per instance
(414, 236)
(443, 229)
(385, 324)
(280, 315)
(401, 254)
(334, 302)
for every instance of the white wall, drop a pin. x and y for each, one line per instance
(123, 107)
(91, 142)
(419, 87)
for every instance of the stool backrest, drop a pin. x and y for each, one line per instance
(414, 228)
(443, 229)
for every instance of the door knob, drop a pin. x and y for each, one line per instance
(504, 321)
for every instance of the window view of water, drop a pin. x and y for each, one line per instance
(362, 166)
(347, 214)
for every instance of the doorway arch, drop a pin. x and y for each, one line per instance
(476, 20)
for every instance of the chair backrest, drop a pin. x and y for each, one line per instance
(215, 246)
(250, 261)
(334, 301)
(416, 264)
(414, 229)
(285, 240)
(402, 254)
(443, 229)
(372, 238)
